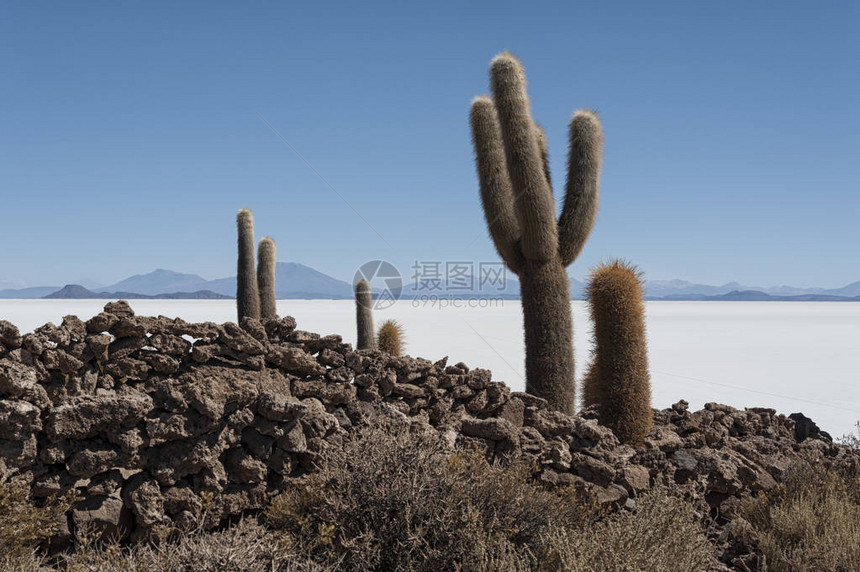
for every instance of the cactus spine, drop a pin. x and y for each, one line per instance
(619, 382)
(247, 294)
(389, 338)
(364, 315)
(512, 163)
(266, 257)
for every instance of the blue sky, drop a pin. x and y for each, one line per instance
(130, 133)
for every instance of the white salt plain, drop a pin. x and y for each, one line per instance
(791, 356)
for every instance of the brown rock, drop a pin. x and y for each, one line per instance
(99, 344)
(120, 309)
(235, 338)
(9, 335)
(127, 369)
(495, 429)
(104, 516)
(128, 327)
(101, 322)
(142, 495)
(294, 360)
(88, 415)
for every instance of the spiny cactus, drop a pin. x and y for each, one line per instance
(266, 257)
(620, 384)
(590, 387)
(389, 338)
(247, 294)
(364, 315)
(512, 164)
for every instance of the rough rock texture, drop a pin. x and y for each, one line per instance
(240, 411)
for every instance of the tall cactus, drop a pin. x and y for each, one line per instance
(247, 294)
(512, 164)
(266, 257)
(618, 381)
(364, 315)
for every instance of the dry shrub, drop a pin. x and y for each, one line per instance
(390, 500)
(23, 525)
(661, 535)
(245, 547)
(810, 522)
(852, 439)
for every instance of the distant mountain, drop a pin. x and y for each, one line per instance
(683, 290)
(297, 281)
(852, 290)
(28, 293)
(293, 281)
(78, 292)
(158, 282)
(758, 296)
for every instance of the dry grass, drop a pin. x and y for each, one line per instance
(809, 523)
(661, 535)
(245, 547)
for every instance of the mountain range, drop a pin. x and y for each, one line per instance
(297, 281)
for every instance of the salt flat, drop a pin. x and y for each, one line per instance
(791, 356)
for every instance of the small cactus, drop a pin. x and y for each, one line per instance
(389, 338)
(247, 294)
(618, 381)
(364, 315)
(266, 257)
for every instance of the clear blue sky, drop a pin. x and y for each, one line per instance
(131, 132)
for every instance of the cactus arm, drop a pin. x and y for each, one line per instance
(583, 177)
(495, 185)
(533, 200)
(544, 154)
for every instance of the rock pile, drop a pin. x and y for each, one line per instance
(157, 421)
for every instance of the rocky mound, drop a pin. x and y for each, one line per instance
(154, 420)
